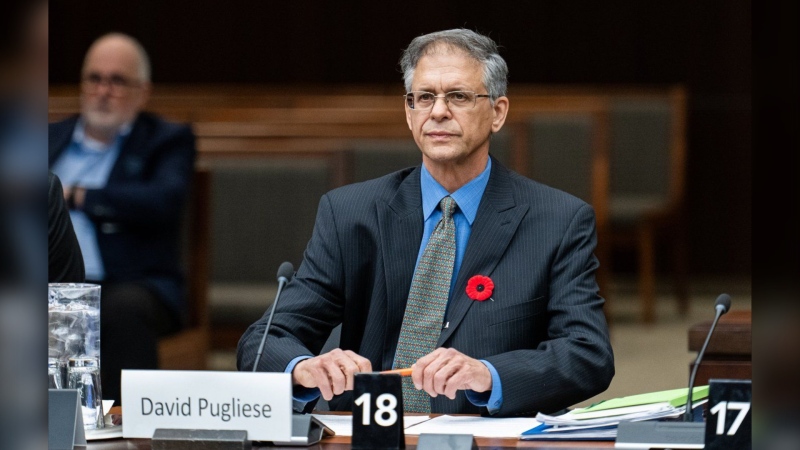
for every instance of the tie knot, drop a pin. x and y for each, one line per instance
(447, 205)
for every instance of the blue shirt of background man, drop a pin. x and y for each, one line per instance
(468, 198)
(87, 163)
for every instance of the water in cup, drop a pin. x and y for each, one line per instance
(83, 374)
(54, 373)
(73, 320)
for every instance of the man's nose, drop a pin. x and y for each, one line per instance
(103, 88)
(440, 109)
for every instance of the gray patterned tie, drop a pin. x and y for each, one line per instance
(427, 300)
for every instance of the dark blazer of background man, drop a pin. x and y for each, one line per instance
(134, 213)
(543, 331)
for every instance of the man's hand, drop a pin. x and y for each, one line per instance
(446, 370)
(74, 196)
(78, 197)
(331, 372)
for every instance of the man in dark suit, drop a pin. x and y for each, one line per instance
(64, 258)
(400, 262)
(126, 176)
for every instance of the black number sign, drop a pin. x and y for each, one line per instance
(378, 412)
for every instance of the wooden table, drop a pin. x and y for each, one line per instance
(729, 353)
(343, 442)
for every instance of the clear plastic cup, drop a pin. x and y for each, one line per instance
(83, 374)
(54, 373)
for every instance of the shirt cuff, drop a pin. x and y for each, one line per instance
(492, 399)
(299, 393)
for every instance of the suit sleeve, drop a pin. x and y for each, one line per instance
(575, 362)
(310, 307)
(159, 198)
(65, 261)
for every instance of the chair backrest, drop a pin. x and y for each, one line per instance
(568, 150)
(264, 212)
(372, 158)
(647, 151)
(561, 152)
(501, 146)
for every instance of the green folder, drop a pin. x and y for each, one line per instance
(675, 397)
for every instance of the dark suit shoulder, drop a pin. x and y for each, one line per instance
(59, 134)
(161, 124)
(157, 129)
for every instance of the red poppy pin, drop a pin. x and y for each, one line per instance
(479, 288)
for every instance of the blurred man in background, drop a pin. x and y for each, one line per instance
(126, 176)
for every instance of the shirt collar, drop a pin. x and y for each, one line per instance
(79, 137)
(467, 197)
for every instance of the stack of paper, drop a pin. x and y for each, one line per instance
(600, 421)
(489, 427)
(342, 425)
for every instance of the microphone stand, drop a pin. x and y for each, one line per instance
(688, 416)
(281, 283)
(682, 434)
(306, 430)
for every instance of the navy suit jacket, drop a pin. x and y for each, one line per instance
(545, 331)
(138, 213)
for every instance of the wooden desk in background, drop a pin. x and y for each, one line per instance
(729, 353)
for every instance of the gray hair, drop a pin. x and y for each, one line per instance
(479, 47)
(144, 59)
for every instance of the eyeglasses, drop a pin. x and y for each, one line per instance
(118, 86)
(423, 101)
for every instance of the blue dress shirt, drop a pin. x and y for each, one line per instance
(87, 163)
(468, 198)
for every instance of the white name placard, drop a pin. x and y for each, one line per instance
(260, 403)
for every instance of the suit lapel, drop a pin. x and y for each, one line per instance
(60, 137)
(495, 224)
(401, 228)
(132, 154)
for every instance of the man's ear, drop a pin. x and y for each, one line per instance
(500, 110)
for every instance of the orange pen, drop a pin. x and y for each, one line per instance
(401, 372)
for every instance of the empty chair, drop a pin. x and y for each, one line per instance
(264, 212)
(188, 348)
(647, 185)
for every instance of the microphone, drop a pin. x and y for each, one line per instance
(721, 306)
(306, 429)
(685, 433)
(285, 274)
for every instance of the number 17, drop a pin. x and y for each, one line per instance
(722, 408)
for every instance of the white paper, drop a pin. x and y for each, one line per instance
(107, 404)
(342, 425)
(477, 426)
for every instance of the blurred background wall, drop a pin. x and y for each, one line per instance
(703, 45)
